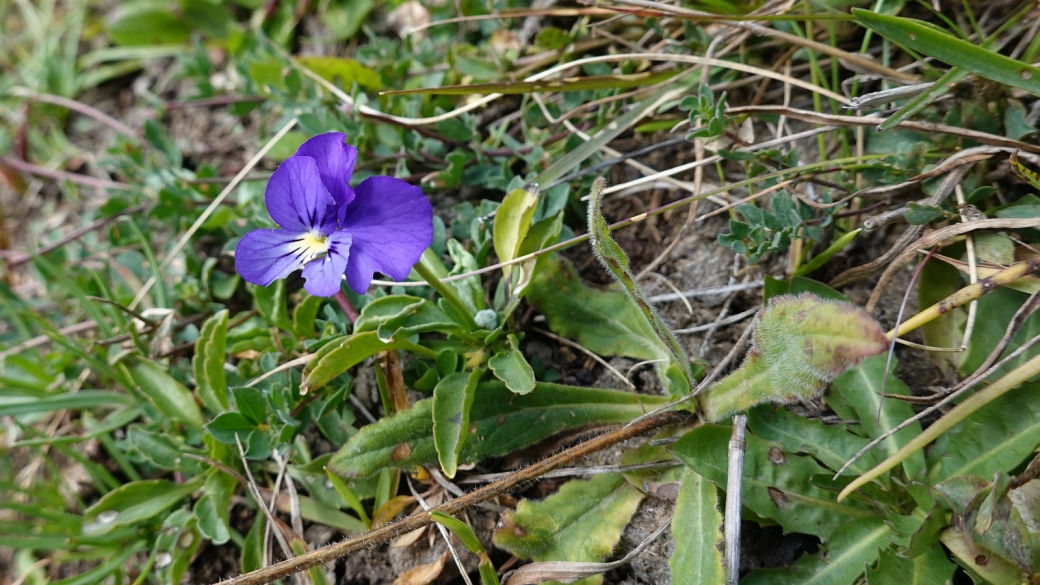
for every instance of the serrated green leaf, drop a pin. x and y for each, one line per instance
(933, 42)
(171, 397)
(697, 529)
(511, 367)
(775, 482)
(338, 356)
(581, 522)
(135, 501)
(503, 421)
(208, 363)
(831, 445)
(800, 344)
(615, 261)
(860, 388)
(847, 553)
(452, 401)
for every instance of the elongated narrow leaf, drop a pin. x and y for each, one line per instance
(84, 399)
(211, 383)
(801, 343)
(169, 396)
(581, 522)
(500, 422)
(927, 39)
(614, 259)
(996, 437)
(452, 401)
(842, 562)
(774, 483)
(135, 501)
(512, 221)
(860, 388)
(340, 355)
(590, 82)
(697, 529)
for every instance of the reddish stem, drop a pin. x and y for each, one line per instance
(346, 306)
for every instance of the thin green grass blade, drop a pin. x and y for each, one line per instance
(592, 82)
(924, 38)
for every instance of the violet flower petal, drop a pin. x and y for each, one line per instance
(335, 161)
(325, 274)
(297, 199)
(392, 224)
(264, 256)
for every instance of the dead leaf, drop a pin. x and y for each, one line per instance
(423, 574)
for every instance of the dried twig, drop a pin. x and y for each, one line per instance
(734, 482)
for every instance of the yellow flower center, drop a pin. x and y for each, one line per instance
(314, 244)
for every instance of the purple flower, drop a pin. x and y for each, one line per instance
(330, 229)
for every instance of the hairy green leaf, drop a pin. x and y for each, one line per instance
(208, 363)
(775, 481)
(801, 343)
(614, 259)
(500, 422)
(452, 401)
(697, 529)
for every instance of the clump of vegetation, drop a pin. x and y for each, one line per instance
(281, 282)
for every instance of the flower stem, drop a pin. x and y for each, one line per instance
(346, 306)
(447, 292)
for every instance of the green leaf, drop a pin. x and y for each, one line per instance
(603, 322)
(927, 39)
(511, 367)
(134, 502)
(161, 450)
(253, 548)
(841, 562)
(460, 529)
(82, 400)
(697, 529)
(860, 388)
(775, 482)
(452, 401)
(214, 507)
(348, 496)
(228, 425)
(583, 521)
(512, 220)
(586, 83)
(984, 568)
(343, 72)
(338, 356)
(172, 399)
(930, 568)
(503, 423)
(208, 363)
(938, 281)
(251, 403)
(831, 445)
(147, 24)
(345, 17)
(272, 304)
(400, 316)
(614, 259)
(304, 316)
(800, 344)
(922, 214)
(996, 437)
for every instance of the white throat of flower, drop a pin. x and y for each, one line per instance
(312, 245)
